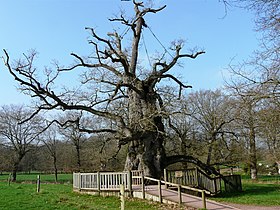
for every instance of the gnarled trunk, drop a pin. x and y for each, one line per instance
(146, 151)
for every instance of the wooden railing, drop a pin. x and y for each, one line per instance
(112, 181)
(102, 181)
(136, 177)
(195, 178)
(165, 184)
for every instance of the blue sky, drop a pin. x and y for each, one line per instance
(56, 28)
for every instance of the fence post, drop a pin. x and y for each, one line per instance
(122, 196)
(98, 182)
(130, 183)
(143, 185)
(179, 194)
(38, 183)
(79, 181)
(159, 191)
(165, 177)
(203, 199)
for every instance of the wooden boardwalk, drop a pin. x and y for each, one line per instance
(109, 183)
(171, 196)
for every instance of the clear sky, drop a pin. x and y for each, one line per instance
(55, 28)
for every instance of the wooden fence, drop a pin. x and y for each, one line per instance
(164, 184)
(195, 178)
(102, 181)
(190, 179)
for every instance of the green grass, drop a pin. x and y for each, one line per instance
(254, 194)
(62, 178)
(19, 196)
(22, 195)
(263, 178)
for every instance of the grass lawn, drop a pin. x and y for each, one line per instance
(23, 196)
(254, 193)
(62, 178)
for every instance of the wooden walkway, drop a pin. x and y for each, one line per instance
(109, 183)
(171, 196)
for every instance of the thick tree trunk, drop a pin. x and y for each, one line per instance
(146, 151)
(147, 154)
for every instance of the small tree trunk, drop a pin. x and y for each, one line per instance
(14, 173)
(55, 168)
(209, 153)
(14, 170)
(78, 155)
(184, 151)
(16, 165)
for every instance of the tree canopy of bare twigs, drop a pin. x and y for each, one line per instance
(16, 135)
(116, 91)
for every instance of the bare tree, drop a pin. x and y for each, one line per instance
(257, 81)
(51, 140)
(19, 136)
(213, 112)
(269, 129)
(262, 71)
(72, 134)
(114, 76)
(247, 108)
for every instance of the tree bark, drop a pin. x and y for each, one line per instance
(253, 154)
(252, 145)
(15, 167)
(14, 171)
(77, 147)
(146, 151)
(55, 168)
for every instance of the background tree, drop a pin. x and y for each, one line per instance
(114, 76)
(212, 112)
(51, 141)
(262, 69)
(17, 135)
(269, 129)
(72, 134)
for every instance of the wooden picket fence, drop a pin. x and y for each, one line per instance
(102, 181)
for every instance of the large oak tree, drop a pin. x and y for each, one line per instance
(118, 91)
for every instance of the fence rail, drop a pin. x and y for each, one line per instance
(195, 178)
(102, 181)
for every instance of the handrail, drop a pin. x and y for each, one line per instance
(106, 181)
(197, 178)
(176, 185)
